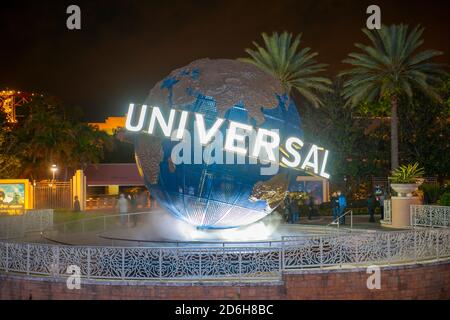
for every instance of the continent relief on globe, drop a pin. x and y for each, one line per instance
(229, 85)
(228, 82)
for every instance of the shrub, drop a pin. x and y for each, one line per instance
(431, 192)
(445, 199)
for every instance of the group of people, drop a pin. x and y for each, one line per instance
(292, 209)
(338, 206)
(129, 203)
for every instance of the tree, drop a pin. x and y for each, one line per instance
(356, 153)
(295, 68)
(389, 68)
(9, 162)
(425, 133)
(48, 133)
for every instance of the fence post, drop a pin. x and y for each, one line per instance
(28, 258)
(431, 218)
(123, 263)
(321, 251)
(200, 262)
(280, 259)
(88, 263)
(240, 265)
(7, 257)
(389, 248)
(55, 267)
(160, 264)
(415, 245)
(437, 244)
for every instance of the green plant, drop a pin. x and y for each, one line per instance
(410, 173)
(445, 199)
(295, 68)
(431, 192)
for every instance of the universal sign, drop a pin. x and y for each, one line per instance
(263, 145)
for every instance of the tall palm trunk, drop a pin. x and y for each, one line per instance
(394, 133)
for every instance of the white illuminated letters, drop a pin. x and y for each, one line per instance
(313, 153)
(182, 125)
(158, 116)
(233, 136)
(293, 152)
(324, 164)
(204, 136)
(261, 142)
(250, 144)
(140, 124)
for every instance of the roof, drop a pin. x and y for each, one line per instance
(122, 174)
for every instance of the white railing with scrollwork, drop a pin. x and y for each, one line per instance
(32, 220)
(387, 219)
(366, 248)
(128, 263)
(200, 263)
(430, 216)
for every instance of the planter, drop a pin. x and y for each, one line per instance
(405, 189)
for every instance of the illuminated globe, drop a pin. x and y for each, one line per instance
(217, 195)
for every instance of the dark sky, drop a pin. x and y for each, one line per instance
(125, 47)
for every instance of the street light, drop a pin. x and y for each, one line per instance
(53, 169)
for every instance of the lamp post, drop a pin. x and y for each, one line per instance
(53, 169)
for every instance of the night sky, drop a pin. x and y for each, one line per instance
(125, 47)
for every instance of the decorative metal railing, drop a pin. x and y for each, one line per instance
(141, 263)
(430, 216)
(387, 219)
(200, 263)
(32, 220)
(366, 248)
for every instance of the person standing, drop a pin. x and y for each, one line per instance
(287, 208)
(76, 204)
(294, 210)
(371, 207)
(342, 206)
(334, 205)
(133, 203)
(123, 208)
(311, 206)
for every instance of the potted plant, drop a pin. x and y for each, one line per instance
(406, 179)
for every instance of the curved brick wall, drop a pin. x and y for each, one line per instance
(421, 281)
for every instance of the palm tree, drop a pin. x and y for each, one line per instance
(389, 68)
(295, 68)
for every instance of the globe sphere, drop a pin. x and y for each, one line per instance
(212, 194)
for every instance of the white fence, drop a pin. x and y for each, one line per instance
(430, 216)
(387, 219)
(32, 220)
(422, 215)
(199, 263)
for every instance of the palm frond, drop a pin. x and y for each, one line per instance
(296, 68)
(392, 64)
